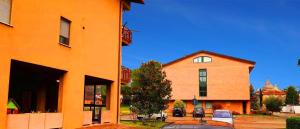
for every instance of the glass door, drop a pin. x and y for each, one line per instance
(94, 100)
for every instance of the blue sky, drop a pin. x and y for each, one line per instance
(265, 31)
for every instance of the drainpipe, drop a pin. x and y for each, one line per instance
(119, 61)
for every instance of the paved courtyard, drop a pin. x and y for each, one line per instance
(241, 122)
(260, 122)
(174, 126)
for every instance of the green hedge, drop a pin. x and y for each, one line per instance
(293, 123)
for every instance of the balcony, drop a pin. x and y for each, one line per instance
(126, 36)
(126, 75)
(127, 4)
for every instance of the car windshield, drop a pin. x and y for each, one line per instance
(198, 109)
(222, 114)
(177, 108)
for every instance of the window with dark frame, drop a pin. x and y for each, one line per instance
(202, 59)
(5, 11)
(64, 36)
(203, 82)
(208, 105)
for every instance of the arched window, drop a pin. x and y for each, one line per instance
(203, 59)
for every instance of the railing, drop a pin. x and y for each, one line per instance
(34, 121)
(126, 75)
(126, 36)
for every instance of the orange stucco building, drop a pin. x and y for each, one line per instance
(56, 57)
(211, 78)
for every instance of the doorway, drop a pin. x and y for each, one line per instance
(244, 107)
(96, 96)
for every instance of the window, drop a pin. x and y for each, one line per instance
(5, 9)
(202, 82)
(199, 104)
(64, 36)
(208, 105)
(203, 59)
(206, 59)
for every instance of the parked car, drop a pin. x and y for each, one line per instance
(199, 112)
(158, 116)
(180, 112)
(223, 116)
(209, 124)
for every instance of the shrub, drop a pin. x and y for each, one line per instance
(293, 123)
(273, 104)
(216, 106)
(179, 104)
(235, 113)
(260, 112)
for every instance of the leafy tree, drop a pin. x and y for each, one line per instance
(292, 96)
(151, 90)
(273, 104)
(260, 98)
(251, 91)
(254, 99)
(126, 93)
(179, 104)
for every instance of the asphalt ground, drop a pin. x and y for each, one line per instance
(175, 126)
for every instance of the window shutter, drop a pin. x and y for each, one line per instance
(5, 7)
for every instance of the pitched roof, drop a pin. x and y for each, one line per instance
(211, 53)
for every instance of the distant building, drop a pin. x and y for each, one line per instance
(271, 90)
(211, 78)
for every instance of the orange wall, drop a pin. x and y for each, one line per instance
(227, 79)
(33, 37)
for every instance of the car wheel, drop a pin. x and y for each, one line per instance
(164, 119)
(140, 118)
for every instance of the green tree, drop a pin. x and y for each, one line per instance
(254, 99)
(126, 93)
(251, 91)
(151, 90)
(179, 104)
(292, 96)
(273, 104)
